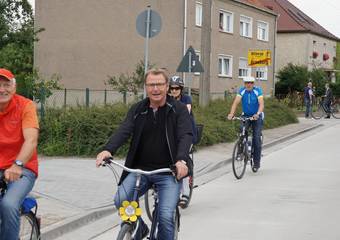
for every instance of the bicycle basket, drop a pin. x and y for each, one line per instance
(28, 204)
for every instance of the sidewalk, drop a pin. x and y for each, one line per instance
(72, 192)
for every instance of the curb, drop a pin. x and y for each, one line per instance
(58, 229)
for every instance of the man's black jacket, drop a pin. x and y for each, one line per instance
(178, 132)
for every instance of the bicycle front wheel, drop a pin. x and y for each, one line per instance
(125, 232)
(29, 227)
(149, 200)
(177, 223)
(239, 161)
(335, 108)
(317, 111)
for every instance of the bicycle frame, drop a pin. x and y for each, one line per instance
(126, 206)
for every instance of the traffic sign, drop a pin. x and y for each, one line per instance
(153, 24)
(190, 62)
(259, 58)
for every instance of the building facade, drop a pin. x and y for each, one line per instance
(87, 41)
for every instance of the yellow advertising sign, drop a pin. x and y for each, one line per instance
(259, 58)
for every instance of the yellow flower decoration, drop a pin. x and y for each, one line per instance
(129, 211)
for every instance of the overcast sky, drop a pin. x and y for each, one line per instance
(325, 12)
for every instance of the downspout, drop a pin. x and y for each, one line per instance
(274, 59)
(185, 26)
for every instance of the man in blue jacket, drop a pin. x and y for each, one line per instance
(252, 106)
(161, 133)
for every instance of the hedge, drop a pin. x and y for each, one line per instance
(81, 131)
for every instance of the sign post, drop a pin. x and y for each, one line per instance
(190, 63)
(148, 25)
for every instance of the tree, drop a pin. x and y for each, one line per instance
(291, 78)
(129, 83)
(17, 37)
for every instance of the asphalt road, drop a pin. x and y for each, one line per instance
(295, 195)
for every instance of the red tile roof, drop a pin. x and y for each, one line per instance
(292, 19)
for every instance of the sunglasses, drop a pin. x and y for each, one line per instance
(249, 82)
(175, 88)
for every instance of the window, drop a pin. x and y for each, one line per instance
(262, 31)
(243, 69)
(198, 53)
(226, 21)
(198, 14)
(261, 73)
(245, 26)
(225, 65)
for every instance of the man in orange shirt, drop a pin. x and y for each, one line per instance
(19, 130)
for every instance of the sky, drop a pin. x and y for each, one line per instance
(325, 12)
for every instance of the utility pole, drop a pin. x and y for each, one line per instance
(206, 53)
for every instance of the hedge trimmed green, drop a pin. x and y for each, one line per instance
(82, 131)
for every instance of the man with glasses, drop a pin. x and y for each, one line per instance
(252, 106)
(161, 134)
(18, 156)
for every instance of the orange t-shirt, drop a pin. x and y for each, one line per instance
(20, 114)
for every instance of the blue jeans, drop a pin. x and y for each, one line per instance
(11, 202)
(257, 129)
(168, 195)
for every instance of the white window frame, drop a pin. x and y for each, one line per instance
(198, 14)
(222, 72)
(246, 23)
(198, 53)
(243, 69)
(261, 73)
(225, 25)
(262, 29)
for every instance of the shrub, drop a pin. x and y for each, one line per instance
(82, 131)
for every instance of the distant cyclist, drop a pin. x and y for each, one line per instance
(252, 106)
(176, 91)
(328, 98)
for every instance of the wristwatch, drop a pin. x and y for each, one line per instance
(19, 163)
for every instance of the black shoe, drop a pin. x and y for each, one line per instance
(328, 117)
(255, 168)
(184, 201)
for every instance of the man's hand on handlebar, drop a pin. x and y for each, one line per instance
(101, 156)
(181, 169)
(230, 116)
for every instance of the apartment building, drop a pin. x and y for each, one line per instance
(86, 41)
(301, 40)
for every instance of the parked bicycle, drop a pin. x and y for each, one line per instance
(243, 150)
(29, 222)
(131, 213)
(319, 110)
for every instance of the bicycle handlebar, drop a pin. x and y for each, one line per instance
(241, 118)
(110, 161)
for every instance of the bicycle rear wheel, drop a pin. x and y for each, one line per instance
(125, 232)
(335, 108)
(29, 227)
(239, 161)
(317, 111)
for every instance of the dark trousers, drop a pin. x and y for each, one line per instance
(257, 130)
(308, 107)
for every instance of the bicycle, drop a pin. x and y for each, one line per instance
(320, 110)
(149, 196)
(29, 222)
(243, 149)
(131, 213)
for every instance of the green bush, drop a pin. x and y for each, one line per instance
(82, 131)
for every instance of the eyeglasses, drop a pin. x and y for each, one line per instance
(6, 85)
(174, 88)
(152, 85)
